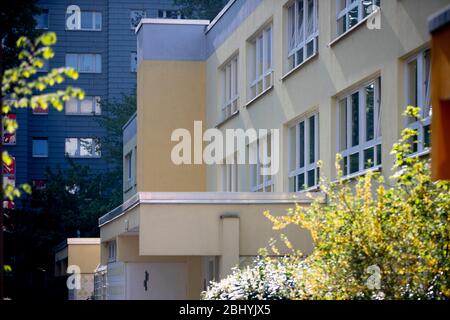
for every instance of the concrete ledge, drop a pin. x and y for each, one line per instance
(209, 198)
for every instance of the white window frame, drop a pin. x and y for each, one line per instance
(295, 165)
(96, 108)
(95, 155)
(112, 251)
(363, 145)
(94, 17)
(262, 43)
(166, 11)
(230, 175)
(423, 100)
(97, 67)
(230, 88)
(261, 183)
(298, 41)
(344, 13)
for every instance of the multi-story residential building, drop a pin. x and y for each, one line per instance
(102, 47)
(331, 76)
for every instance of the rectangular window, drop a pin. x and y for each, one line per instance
(90, 21)
(304, 154)
(84, 62)
(359, 130)
(39, 184)
(9, 138)
(418, 94)
(262, 69)
(133, 62)
(170, 14)
(89, 106)
(351, 12)
(42, 20)
(261, 182)
(10, 170)
(303, 31)
(135, 17)
(230, 175)
(230, 88)
(40, 147)
(128, 167)
(112, 251)
(82, 148)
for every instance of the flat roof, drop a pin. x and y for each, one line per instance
(439, 19)
(171, 21)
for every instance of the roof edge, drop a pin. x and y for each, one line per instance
(172, 22)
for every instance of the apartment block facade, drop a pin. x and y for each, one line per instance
(332, 77)
(102, 47)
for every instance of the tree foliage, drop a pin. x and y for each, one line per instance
(22, 87)
(200, 9)
(16, 20)
(391, 243)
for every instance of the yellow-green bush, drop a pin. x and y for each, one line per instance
(393, 243)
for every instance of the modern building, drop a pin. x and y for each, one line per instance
(101, 45)
(326, 77)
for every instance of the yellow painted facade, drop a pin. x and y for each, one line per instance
(181, 213)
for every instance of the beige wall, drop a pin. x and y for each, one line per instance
(195, 229)
(86, 256)
(171, 95)
(361, 55)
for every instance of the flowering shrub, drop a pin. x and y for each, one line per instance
(373, 240)
(266, 279)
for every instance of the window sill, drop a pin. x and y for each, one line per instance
(352, 29)
(233, 115)
(82, 114)
(360, 174)
(40, 157)
(421, 154)
(75, 157)
(40, 114)
(301, 65)
(259, 96)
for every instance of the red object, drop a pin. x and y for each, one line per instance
(10, 170)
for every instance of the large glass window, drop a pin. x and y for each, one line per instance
(84, 62)
(169, 14)
(230, 88)
(359, 130)
(40, 147)
(230, 175)
(303, 31)
(418, 94)
(90, 21)
(304, 154)
(82, 148)
(261, 182)
(261, 68)
(90, 105)
(351, 12)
